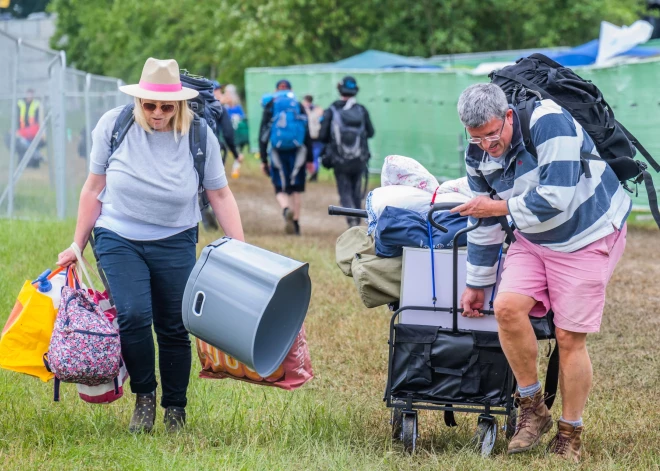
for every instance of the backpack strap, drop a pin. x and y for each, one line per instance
(653, 196)
(122, 124)
(552, 378)
(525, 108)
(450, 420)
(504, 222)
(546, 60)
(640, 148)
(197, 139)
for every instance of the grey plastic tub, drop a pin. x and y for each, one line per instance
(248, 302)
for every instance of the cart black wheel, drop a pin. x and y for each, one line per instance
(511, 421)
(397, 423)
(409, 432)
(486, 436)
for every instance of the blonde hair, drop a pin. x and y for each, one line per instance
(182, 118)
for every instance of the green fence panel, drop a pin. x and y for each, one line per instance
(414, 112)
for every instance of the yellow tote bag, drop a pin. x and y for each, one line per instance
(26, 336)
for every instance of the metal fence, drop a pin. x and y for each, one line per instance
(44, 165)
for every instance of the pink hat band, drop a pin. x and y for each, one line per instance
(161, 87)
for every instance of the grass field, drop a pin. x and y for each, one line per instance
(338, 420)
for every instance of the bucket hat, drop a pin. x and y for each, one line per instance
(160, 81)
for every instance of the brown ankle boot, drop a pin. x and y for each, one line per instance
(567, 444)
(534, 419)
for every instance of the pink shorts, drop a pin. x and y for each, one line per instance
(571, 284)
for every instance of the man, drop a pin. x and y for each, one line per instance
(571, 233)
(314, 116)
(29, 111)
(284, 116)
(345, 129)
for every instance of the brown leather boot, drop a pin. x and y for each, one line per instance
(567, 444)
(534, 419)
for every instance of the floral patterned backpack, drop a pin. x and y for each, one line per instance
(85, 346)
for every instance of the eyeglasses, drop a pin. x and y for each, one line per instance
(491, 138)
(151, 107)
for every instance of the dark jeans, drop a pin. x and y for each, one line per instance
(349, 186)
(147, 280)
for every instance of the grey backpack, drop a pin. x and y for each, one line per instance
(349, 137)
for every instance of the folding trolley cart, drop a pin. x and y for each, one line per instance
(452, 369)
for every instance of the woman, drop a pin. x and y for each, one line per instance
(142, 204)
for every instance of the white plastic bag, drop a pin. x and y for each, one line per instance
(460, 185)
(104, 393)
(400, 170)
(406, 197)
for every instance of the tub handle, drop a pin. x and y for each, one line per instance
(199, 303)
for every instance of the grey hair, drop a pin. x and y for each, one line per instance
(480, 103)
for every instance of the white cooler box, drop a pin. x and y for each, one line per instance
(416, 289)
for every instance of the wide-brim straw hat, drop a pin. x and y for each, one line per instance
(160, 81)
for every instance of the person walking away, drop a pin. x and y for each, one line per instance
(284, 128)
(570, 213)
(141, 201)
(234, 107)
(226, 133)
(345, 129)
(314, 116)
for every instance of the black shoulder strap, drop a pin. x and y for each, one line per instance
(525, 109)
(122, 124)
(504, 222)
(552, 378)
(640, 148)
(197, 139)
(652, 195)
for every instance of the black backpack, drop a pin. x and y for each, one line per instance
(537, 77)
(348, 138)
(204, 104)
(196, 138)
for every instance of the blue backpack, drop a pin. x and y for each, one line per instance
(288, 127)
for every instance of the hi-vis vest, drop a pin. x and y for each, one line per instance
(27, 114)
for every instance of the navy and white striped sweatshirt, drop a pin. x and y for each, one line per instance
(550, 200)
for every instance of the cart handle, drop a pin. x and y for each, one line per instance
(350, 212)
(440, 207)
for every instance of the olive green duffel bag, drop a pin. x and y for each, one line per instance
(377, 279)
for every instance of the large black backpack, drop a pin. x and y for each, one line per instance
(196, 138)
(537, 77)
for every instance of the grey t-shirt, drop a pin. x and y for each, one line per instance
(151, 176)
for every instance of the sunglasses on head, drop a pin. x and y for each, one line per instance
(151, 107)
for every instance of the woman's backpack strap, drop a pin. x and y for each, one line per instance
(122, 124)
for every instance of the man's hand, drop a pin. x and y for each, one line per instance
(265, 168)
(471, 301)
(311, 167)
(482, 207)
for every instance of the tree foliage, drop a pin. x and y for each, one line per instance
(220, 38)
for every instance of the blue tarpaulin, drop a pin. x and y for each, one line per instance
(586, 54)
